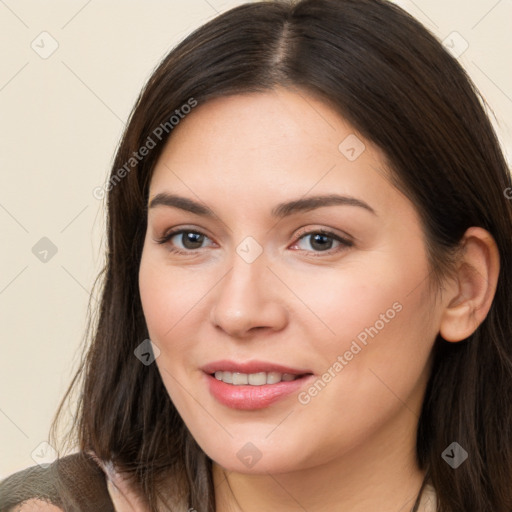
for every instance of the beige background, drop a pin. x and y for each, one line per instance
(60, 120)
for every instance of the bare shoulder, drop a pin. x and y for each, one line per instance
(35, 505)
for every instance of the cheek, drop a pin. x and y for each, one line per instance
(169, 300)
(374, 340)
(368, 296)
(168, 295)
(373, 326)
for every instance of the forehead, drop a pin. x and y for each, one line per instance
(276, 143)
(261, 124)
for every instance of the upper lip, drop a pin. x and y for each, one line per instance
(250, 367)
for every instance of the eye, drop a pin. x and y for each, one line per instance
(186, 241)
(322, 241)
(190, 240)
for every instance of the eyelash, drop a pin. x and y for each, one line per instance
(345, 243)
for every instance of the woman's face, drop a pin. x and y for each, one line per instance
(292, 254)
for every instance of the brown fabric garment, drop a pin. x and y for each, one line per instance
(74, 484)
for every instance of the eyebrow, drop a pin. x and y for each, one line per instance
(280, 211)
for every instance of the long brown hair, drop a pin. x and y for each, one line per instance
(394, 82)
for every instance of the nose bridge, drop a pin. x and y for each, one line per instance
(248, 262)
(245, 299)
(243, 283)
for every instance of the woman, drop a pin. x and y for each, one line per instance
(305, 298)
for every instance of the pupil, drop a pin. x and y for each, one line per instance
(322, 246)
(194, 239)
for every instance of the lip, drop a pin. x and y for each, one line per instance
(247, 397)
(251, 367)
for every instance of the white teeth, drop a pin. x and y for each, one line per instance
(240, 378)
(257, 379)
(254, 379)
(273, 377)
(226, 377)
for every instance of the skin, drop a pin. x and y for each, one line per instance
(38, 506)
(352, 446)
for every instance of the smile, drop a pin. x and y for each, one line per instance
(254, 379)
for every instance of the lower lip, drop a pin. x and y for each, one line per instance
(249, 397)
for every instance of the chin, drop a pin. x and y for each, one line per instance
(275, 464)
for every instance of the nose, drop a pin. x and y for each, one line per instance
(248, 299)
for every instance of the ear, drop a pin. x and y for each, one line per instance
(470, 297)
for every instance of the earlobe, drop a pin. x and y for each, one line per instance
(476, 280)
